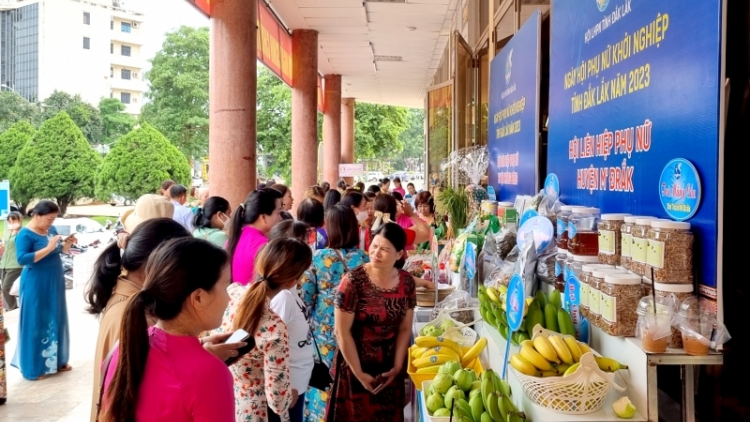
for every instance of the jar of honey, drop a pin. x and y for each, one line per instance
(583, 231)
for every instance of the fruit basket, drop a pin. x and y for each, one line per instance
(583, 391)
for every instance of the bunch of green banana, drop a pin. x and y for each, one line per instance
(556, 355)
(493, 403)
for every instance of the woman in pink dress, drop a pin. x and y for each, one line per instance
(164, 373)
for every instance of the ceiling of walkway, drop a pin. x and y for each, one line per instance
(386, 50)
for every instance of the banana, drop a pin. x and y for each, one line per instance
(544, 347)
(575, 350)
(565, 323)
(492, 407)
(486, 418)
(433, 360)
(523, 336)
(570, 371)
(561, 368)
(533, 357)
(516, 417)
(541, 298)
(527, 342)
(561, 349)
(493, 294)
(536, 316)
(523, 366)
(429, 369)
(552, 373)
(441, 350)
(477, 407)
(550, 317)
(503, 330)
(584, 347)
(428, 341)
(503, 289)
(489, 316)
(609, 365)
(502, 386)
(555, 299)
(464, 349)
(418, 352)
(529, 301)
(462, 408)
(500, 316)
(487, 387)
(474, 351)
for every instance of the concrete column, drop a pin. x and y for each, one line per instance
(332, 129)
(304, 111)
(347, 133)
(232, 87)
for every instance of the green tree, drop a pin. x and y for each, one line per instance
(14, 108)
(57, 163)
(178, 90)
(377, 129)
(138, 162)
(115, 123)
(274, 123)
(413, 140)
(11, 143)
(84, 115)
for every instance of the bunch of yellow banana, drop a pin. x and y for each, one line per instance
(428, 353)
(556, 355)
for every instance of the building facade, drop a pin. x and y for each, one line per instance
(87, 47)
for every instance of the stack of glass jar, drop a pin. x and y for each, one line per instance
(610, 238)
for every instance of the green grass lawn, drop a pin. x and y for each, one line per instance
(99, 219)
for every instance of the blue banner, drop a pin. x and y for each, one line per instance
(514, 113)
(635, 84)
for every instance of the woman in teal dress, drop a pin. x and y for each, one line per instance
(43, 338)
(319, 287)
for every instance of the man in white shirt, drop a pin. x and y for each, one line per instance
(182, 214)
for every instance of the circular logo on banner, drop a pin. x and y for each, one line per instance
(680, 189)
(602, 4)
(552, 185)
(508, 66)
(541, 229)
(515, 302)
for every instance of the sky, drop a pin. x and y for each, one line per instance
(162, 16)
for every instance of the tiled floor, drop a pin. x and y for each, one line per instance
(66, 396)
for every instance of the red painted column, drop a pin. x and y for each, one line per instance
(232, 87)
(304, 111)
(332, 129)
(347, 133)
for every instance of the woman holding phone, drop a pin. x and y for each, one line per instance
(43, 340)
(263, 381)
(373, 318)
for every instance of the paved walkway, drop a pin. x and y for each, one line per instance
(66, 396)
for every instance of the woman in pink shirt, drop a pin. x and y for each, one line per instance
(251, 223)
(165, 374)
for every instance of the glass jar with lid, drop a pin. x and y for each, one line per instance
(586, 271)
(560, 262)
(595, 282)
(639, 246)
(680, 292)
(619, 296)
(670, 251)
(626, 236)
(563, 217)
(610, 238)
(583, 235)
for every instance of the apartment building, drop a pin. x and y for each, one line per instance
(86, 47)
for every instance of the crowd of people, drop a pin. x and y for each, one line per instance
(236, 313)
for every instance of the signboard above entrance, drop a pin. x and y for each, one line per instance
(351, 170)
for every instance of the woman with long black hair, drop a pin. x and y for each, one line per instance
(211, 221)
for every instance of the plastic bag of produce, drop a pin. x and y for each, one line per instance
(446, 326)
(526, 265)
(545, 264)
(459, 305)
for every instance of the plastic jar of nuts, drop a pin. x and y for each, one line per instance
(639, 245)
(626, 236)
(586, 271)
(595, 283)
(610, 238)
(583, 235)
(575, 268)
(681, 292)
(619, 297)
(670, 251)
(563, 218)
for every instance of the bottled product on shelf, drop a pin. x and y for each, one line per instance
(620, 294)
(670, 251)
(610, 238)
(639, 246)
(563, 218)
(583, 235)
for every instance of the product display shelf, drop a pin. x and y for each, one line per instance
(688, 365)
(535, 413)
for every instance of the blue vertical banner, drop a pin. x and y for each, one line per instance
(4, 199)
(634, 85)
(514, 113)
